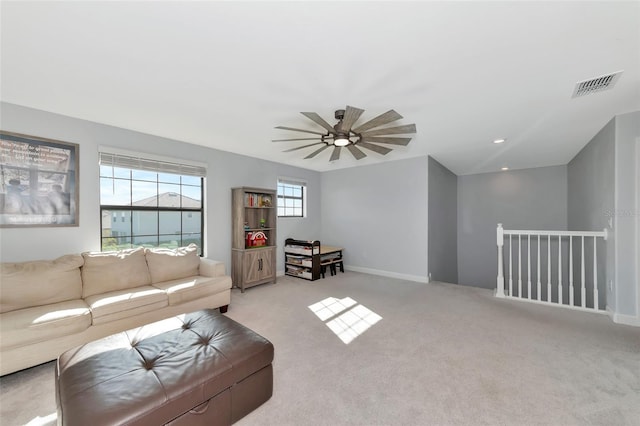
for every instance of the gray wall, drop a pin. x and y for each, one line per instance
(627, 215)
(443, 223)
(225, 170)
(379, 214)
(519, 199)
(590, 182)
(590, 200)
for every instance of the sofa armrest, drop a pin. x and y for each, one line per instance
(211, 268)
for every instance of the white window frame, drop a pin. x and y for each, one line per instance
(125, 159)
(281, 197)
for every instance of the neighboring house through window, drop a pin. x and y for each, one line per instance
(291, 198)
(159, 201)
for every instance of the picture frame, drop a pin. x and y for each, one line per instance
(39, 181)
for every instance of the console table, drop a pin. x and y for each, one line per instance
(332, 257)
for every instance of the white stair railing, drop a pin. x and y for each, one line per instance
(561, 289)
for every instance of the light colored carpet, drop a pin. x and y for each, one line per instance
(441, 354)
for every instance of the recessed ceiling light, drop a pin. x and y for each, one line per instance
(505, 168)
(499, 140)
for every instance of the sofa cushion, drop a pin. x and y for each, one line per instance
(186, 289)
(211, 268)
(105, 272)
(125, 303)
(42, 282)
(170, 264)
(42, 323)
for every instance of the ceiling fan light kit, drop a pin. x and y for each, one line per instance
(341, 140)
(367, 135)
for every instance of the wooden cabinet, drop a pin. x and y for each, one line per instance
(253, 248)
(258, 265)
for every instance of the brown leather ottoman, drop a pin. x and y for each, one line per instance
(193, 369)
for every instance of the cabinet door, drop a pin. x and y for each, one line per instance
(251, 266)
(267, 266)
(258, 266)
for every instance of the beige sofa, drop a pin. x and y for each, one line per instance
(48, 307)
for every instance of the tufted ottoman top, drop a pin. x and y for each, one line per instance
(154, 373)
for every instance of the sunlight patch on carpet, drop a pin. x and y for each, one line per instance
(345, 317)
(42, 421)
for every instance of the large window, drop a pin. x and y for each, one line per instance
(150, 203)
(291, 198)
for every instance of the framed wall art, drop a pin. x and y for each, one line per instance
(38, 181)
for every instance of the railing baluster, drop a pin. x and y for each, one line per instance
(583, 290)
(560, 269)
(549, 268)
(519, 266)
(539, 283)
(595, 275)
(510, 268)
(500, 279)
(570, 271)
(529, 267)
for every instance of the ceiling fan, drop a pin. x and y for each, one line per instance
(343, 134)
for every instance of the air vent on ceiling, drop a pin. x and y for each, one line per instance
(597, 84)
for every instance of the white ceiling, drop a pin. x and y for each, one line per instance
(224, 74)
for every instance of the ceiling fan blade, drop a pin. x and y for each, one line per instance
(380, 120)
(357, 153)
(301, 147)
(351, 115)
(335, 154)
(300, 130)
(301, 139)
(390, 140)
(377, 148)
(407, 128)
(316, 152)
(319, 120)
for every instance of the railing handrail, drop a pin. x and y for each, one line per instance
(602, 234)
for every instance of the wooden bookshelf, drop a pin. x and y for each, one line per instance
(254, 223)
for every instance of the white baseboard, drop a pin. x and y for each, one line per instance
(623, 319)
(407, 277)
(626, 320)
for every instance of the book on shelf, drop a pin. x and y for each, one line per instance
(257, 200)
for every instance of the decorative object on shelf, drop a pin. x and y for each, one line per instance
(39, 181)
(367, 135)
(266, 201)
(256, 239)
(263, 223)
(246, 226)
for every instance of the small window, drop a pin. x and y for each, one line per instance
(291, 198)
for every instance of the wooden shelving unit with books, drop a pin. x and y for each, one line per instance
(254, 221)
